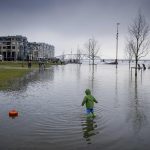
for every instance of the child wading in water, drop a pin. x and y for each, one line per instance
(89, 101)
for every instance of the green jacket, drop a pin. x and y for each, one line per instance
(89, 99)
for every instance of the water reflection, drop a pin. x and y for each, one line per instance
(92, 80)
(137, 112)
(78, 71)
(44, 120)
(139, 117)
(89, 126)
(92, 69)
(116, 82)
(47, 74)
(116, 88)
(140, 73)
(22, 83)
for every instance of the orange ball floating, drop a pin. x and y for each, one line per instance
(13, 113)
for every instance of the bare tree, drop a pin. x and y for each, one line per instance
(79, 55)
(138, 41)
(129, 53)
(92, 49)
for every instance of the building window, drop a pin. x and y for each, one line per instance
(8, 47)
(13, 47)
(5, 43)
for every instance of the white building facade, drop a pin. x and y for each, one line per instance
(18, 48)
(13, 47)
(41, 50)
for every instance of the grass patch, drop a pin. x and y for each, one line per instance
(8, 75)
(24, 64)
(12, 70)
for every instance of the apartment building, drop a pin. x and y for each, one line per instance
(13, 47)
(46, 51)
(41, 50)
(18, 48)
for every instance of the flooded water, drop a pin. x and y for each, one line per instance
(51, 116)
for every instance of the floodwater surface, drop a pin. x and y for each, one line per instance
(51, 116)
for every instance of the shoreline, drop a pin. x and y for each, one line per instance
(10, 70)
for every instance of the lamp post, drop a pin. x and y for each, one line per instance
(116, 61)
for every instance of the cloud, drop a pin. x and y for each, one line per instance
(68, 23)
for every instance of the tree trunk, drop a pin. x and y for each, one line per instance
(136, 65)
(93, 60)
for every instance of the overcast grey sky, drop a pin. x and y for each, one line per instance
(68, 24)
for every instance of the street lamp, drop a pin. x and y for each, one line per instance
(116, 61)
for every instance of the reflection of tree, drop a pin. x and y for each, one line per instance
(92, 76)
(138, 116)
(89, 127)
(78, 71)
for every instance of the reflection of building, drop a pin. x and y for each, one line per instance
(18, 48)
(41, 50)
(13, 47)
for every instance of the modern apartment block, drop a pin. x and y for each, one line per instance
(13, 47)
(46, 51)
(41, 51)
(18, 48)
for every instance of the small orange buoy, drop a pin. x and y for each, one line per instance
(13, 113)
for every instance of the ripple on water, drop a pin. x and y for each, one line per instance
(68, 127)
(51, 116)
